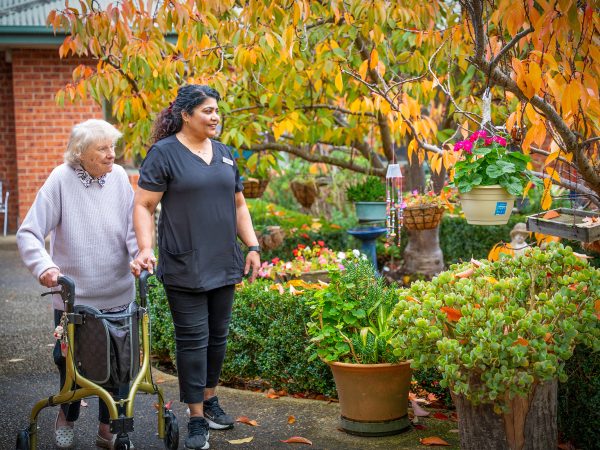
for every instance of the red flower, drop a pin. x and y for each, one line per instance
(275, 260)
(321, 243)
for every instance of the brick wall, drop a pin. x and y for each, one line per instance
(8, 166)
(41, 127)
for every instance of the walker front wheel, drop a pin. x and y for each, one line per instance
(23, 440)
(171, 439)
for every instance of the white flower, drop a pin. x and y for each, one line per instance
(356, 253)
(364, 256)
(341, 256)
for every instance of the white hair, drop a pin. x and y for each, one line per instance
(86, 134)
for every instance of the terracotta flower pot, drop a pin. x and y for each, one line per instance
(373, 397)
(487, 205)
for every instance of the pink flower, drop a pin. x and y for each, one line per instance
(488, 141)
(500, 140)
(481, 134)
(467, 147)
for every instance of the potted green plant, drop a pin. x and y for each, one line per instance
(369, 199)
(499, 333)
(351, 332)
(489, 176)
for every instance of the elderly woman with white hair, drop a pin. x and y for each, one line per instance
(85, 206)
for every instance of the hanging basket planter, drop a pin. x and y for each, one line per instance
(305, 192)
(567, 223)
(487, 205)
(254, 188)
(422, 217)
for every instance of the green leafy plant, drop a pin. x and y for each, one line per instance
(493, 330)
(488, 160)
(350, 317)
(371, 190)
(259, 165)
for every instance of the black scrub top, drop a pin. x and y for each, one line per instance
(197, 228)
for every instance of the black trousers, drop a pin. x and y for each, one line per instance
(71, 410)
(201, 322)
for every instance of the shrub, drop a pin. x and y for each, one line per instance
(495, 329)
(268, 339)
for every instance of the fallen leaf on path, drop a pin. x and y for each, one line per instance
(440, 416)
(242, 441)
(84, 403)
(291, 420)
(15, 360)
(418, 411)
(159, 380)
(247, 421)
(297, 440)
(272, 394)
(433, 440)
(432, 397)
(455, 430)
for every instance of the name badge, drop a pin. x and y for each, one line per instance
(227, 161)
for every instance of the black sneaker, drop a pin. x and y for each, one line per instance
(216, 417)
(197, 438)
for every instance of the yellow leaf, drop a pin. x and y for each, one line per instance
(204, 42)
(362, 71)
(374, 58)
(339, 84)
(241, 441)
(535, 77)
(552, 172)
(551, 157)
(270, 41)
(546, 197)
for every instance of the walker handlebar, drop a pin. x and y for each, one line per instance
(143, 286)
(67, 292)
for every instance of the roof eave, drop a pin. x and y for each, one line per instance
(30, 37)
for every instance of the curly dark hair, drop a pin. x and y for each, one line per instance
(169, 120)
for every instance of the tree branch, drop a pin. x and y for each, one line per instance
(511, 44)
(576, 187)
(369, 170)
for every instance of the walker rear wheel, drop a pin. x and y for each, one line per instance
(171, 439)
(122, 442)
(23, 440)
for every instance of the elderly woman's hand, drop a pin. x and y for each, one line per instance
(252, 262)
(49, 278)
(145, 259)
(135, 268)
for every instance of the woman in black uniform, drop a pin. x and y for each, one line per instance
(203, 211)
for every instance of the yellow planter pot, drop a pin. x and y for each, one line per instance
(487, 205)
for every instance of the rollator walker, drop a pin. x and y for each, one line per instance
(87, 324)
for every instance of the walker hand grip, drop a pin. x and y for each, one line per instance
(67, 292)
(143, 286)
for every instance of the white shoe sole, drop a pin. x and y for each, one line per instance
(207, 445)
(217, 426)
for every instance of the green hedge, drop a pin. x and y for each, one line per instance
(267, 339)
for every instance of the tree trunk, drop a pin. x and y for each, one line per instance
(415, 176)
(423, 253)
(530, 425)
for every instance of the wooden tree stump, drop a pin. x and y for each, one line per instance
(423, 254)
(531, 424)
